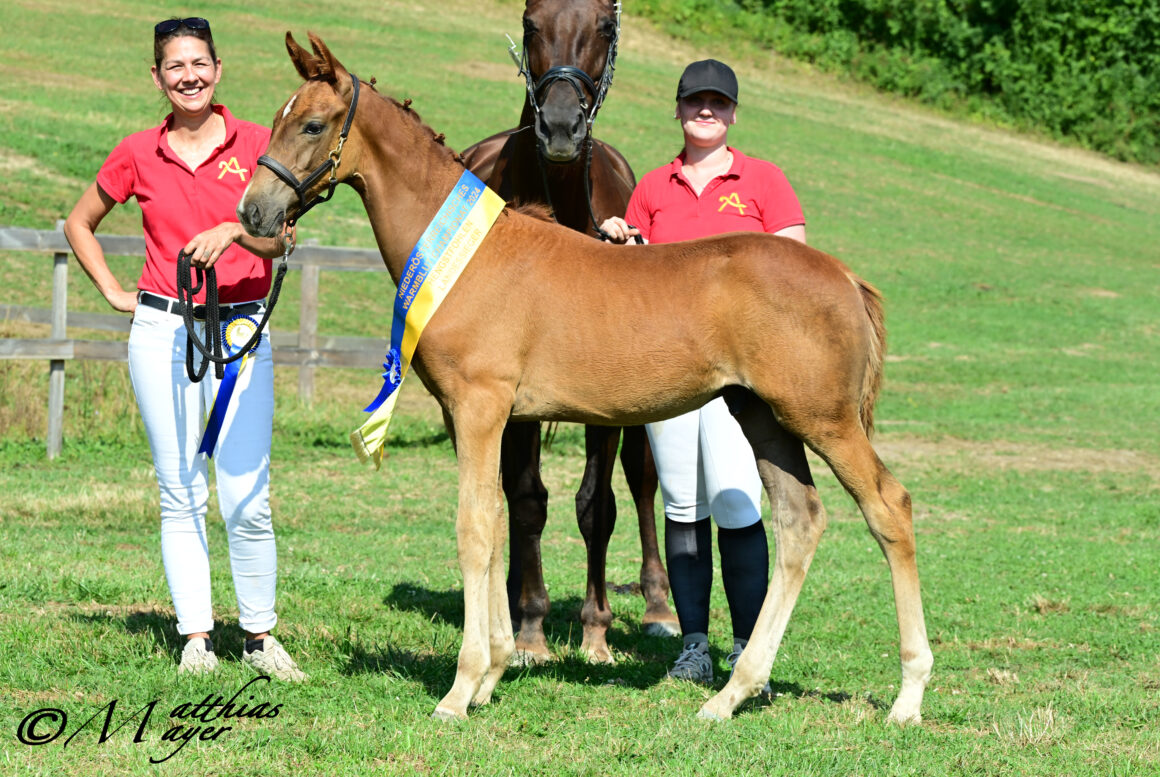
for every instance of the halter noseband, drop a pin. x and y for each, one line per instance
(329, 166)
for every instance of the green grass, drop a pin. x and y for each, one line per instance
(1020, 409)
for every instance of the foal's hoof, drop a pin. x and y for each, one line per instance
(706, 714)
(904, 718)
(662, 629)
(447, 716)
(529, 658)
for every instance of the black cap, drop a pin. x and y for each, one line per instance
(708, 75)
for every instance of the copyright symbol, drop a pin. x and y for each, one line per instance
(26, 731)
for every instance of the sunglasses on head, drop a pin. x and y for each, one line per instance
(171, 25)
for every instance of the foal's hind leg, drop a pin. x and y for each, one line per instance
(886, 506)
(798, 523)
(640, 471)
(596, 517)
(528, 507)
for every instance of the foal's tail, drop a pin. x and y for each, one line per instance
(872, 381)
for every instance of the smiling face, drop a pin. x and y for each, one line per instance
(187, 75)
(705, 118)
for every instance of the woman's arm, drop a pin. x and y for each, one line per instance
(80, 230)
(797, 232)
(207, 247)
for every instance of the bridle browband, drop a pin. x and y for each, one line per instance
(329, 166)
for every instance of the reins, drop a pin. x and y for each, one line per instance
(211, 349)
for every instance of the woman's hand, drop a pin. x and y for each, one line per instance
(206, 248)
(618, 230)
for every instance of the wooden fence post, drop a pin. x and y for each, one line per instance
(308, 329)
(53, 440)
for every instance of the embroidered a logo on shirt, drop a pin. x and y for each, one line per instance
(232, 166)
(732, 200)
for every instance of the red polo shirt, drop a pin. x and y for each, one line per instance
(178, 203)
(754, 196)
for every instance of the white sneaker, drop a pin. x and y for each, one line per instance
(273, 660)
(731, 659)
(195, 659)
(694, 664)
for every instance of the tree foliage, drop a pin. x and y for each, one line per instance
(1088, 70)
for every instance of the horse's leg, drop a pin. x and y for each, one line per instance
(798, 523)
(885, 504)
(596, 516)
(478, 430)
(640, 471)
(528, 509)
(502, 642)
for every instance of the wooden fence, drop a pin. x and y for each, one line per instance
(305, 348)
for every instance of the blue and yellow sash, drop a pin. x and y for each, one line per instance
(433, 266)
(235, 333)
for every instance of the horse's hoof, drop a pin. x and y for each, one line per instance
(707, 714)
(662, 629)
(529, 658)
(601, 656)
(901, 718)
(447, 716)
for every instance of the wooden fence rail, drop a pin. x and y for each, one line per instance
(305, 348)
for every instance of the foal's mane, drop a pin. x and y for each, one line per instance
(321, 65)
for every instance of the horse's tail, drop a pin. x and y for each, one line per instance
(872, 380)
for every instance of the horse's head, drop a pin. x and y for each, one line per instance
(569, 48)
(305, 154)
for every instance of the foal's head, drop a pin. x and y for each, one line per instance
(305, 155)
(567, 44)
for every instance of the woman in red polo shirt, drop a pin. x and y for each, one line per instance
(188, 175)
(705, 464)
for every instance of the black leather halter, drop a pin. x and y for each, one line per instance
(329, 166)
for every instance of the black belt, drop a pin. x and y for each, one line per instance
(170, 305)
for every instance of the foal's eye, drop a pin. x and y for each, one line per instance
(313, 128)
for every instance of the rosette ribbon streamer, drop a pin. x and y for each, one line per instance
(432, 267)
(236, 333)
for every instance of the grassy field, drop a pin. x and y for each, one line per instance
(1021, 409)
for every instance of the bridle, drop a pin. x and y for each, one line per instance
(573, 76)
(583, 85)
(329, 166)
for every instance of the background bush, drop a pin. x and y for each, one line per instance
(1082, 70)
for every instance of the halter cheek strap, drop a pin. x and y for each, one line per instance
(301, 188)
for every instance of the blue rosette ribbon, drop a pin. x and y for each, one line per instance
(235, 333)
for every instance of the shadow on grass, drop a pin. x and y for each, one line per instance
(228, 639)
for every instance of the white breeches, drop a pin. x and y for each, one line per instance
(706, 467)
(174, 411)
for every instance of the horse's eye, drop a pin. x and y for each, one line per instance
(608, 29)
(529, 26)
(313, 128)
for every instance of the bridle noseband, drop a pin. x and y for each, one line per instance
(329, 166)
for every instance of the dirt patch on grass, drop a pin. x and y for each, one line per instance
(1020, 457)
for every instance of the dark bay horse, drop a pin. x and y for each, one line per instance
(569, 52)
(547, 324)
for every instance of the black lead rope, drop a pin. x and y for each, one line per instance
(211, 350)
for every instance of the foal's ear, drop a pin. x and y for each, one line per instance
(321, 64)
(304, 61)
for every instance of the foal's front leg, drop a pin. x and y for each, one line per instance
(477, 433)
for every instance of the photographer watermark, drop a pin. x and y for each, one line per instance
(204, 721)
